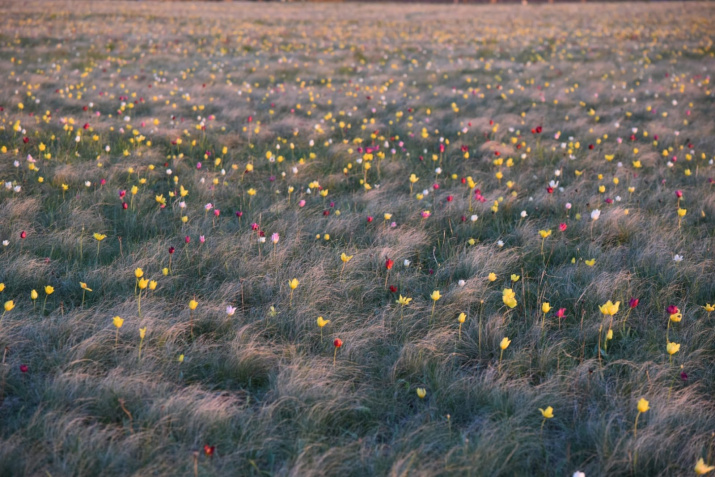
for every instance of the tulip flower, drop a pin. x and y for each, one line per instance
(545, 308)
(421, 393)
(49, 290)
(337, 343)
(504, 344)
(609, 308)
(461, 319)
(85, 288)
(142, 334)
(293, 284)
(388, 266)
(547, 413)
(435, 296)
(9, 305)
(345, 258)
(99, 237)
(118, 322)
(709, 308)
(672, 348)
(701, 468)
(230, 310)
(321, 323)
(403, 301)
(33, 297)
(515, 278)
(643, 406)
(509, 297)
(681, 214)
(192, 306)
(492, 277)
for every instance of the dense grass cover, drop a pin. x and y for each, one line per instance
(504, 215)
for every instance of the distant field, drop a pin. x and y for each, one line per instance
(356, 240)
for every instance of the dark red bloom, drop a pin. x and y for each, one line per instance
(326, 212)
(171, 250)
(239, 214)
(561, 313)
(393, 288)
(23, 234)
(672, 309)
(683, 376)
(369, 219)
(450, 198)
(389, 263)
(254, 226)
(122, 193)
(550, 190)
(125, 206)
(209, 450)
(633, 302)
(23, 368)
(187, 239)
(563, 227)
(678, 194)
(337, 342)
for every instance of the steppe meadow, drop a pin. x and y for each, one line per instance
(273, 239)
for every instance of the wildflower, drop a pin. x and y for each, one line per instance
(504, 344)
(421, 393)
(509, 297)
(643, 406)
(293, 284)
(492, 277)
(337, 343)
(515, 278)
(548, 413)
(230, 310)
(701, 468)
(435, 296)
(595, 214)
(609, 308)
(672, 348)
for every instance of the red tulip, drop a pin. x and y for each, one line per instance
(389, 263)
(562, 227)
(633, 302)
(550, 190)
(23, 368)
(450, 198)
(672, 309)
(369, 219)
(187, 239)
(393, 288)
(23, 234)
(337, 342)
(678, 194)
(209, 450)
(125, 206)
(561, 313)
(171, 250)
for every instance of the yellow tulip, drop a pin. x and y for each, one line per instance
(84, 286)
(142, 332)
(544, 233)
(590, 263)
(49, 290)
(293, 283)
(492, 277)
(322, 322)
(545, 307)
(421, 393)
(9, 305)
(33, 294)
(505, 342)
(509, 297)
(193, 304)
(143, 283)
(548, 413)
(435, 295)
(345, 258)
(515, 278)
(99, 237)
(701, 468)
(672, 348)
(117, 321)
(461, 318)
(643, 406)
(138, 273)
(152, 285)
(2, 287)
(610, 308)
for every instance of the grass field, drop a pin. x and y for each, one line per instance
(458, 194)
